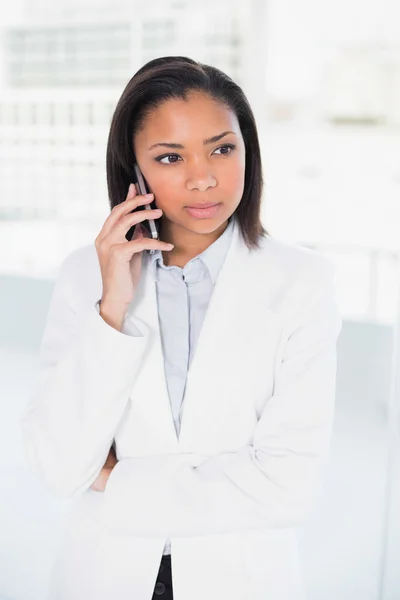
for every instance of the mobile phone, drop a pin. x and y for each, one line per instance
(152, 226)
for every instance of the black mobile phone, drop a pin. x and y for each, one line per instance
(152, 226)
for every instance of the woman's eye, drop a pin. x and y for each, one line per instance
(231, 147)
(160, 159)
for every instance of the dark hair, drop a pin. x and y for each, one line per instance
(171, 77)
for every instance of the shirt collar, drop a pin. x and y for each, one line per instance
(212, 257)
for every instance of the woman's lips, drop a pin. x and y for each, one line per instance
(203, 213)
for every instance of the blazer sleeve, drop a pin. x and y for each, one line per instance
(86, 370)
(274, 481)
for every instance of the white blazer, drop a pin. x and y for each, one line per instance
(255, 436)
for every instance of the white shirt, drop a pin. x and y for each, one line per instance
(183, 295)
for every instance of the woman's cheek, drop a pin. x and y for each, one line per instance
(236, 182)
(167, 192)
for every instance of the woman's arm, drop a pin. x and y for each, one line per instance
(86, 373)
(99, 485)
(272, 482)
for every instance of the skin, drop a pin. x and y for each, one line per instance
(195, 173)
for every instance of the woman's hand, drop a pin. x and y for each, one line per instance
(99, 485)
(120, 261)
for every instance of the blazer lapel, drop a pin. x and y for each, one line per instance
(230, 339)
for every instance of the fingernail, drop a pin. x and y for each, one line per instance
(149, 196)
(131, 189)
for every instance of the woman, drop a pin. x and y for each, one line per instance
(208, 365)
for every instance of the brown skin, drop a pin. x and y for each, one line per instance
(99, 484)
(195, 173)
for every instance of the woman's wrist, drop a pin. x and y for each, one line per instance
(99, 485)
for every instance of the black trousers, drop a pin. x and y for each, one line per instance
(163, 587)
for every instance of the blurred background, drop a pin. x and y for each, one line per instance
(323, 79)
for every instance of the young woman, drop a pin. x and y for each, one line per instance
(185, 400)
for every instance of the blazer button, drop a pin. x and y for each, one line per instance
(159, 589)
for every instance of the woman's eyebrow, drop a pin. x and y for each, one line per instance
(210, 140)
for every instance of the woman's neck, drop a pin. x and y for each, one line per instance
(187, 244)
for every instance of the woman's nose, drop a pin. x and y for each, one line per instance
(201, 178)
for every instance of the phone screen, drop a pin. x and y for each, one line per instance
(152, 226)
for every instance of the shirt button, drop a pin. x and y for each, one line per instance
(159, 589)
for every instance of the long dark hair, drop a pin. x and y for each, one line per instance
(170, 77)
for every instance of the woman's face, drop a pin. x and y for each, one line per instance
(182, 170)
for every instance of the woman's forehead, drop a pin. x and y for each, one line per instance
(198, 116)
